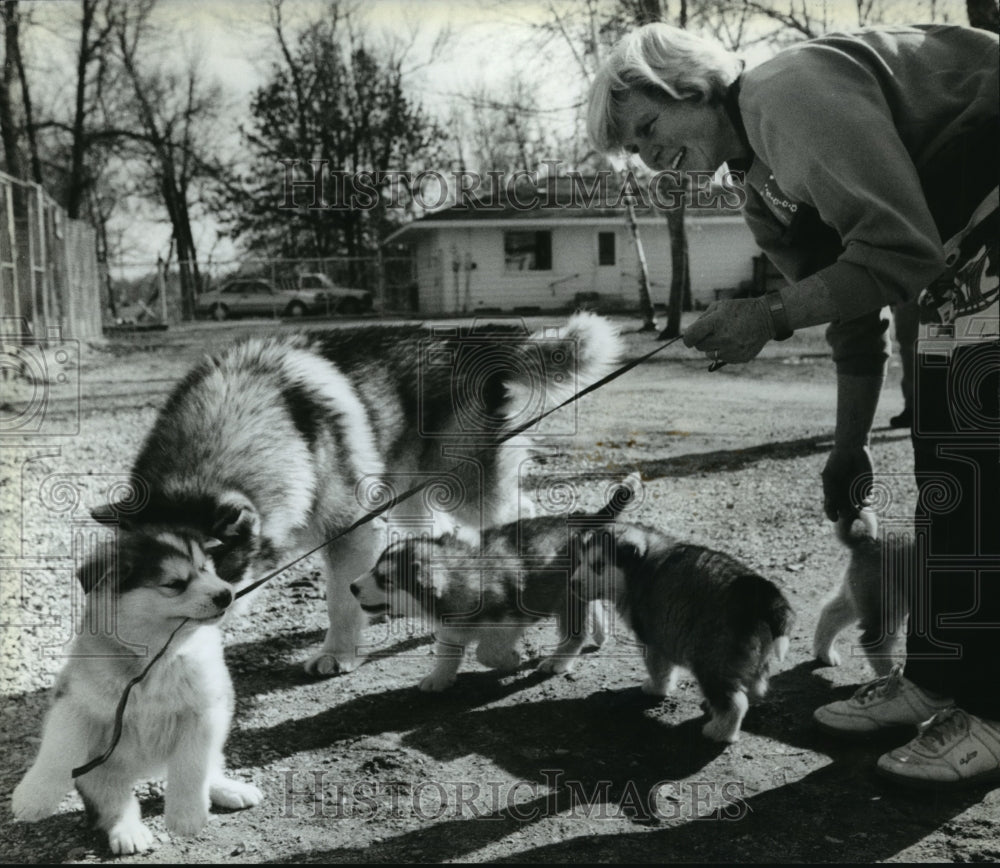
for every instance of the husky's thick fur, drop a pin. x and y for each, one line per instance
(488, 589)
(280, 443)
(690, 607)
(874, 591)
(176, 720)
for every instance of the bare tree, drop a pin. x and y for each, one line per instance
(16, 123)
(171, 113)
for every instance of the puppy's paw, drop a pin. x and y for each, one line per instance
(186, 821)
(828, 656)
(506, 659)
(656, 687)
(33, 799)
(557, 664)
(227, 793)
(436, 682)
(129, 836)
(597, 623)
(326, 664)
(721, 730)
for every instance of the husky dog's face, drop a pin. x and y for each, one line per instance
(605, 558)
(400, 582)
(160, 577)
(228, 518)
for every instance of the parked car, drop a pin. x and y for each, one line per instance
(331, 298)
(252, 297)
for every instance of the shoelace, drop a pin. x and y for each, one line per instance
(880, 687)
(943, 727)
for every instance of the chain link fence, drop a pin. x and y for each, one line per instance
(50, 279)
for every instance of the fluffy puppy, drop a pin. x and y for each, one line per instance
(873, 591)
(487, 591)
(690, 607)
(176, 719)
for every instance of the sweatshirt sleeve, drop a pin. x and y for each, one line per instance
(828, 136)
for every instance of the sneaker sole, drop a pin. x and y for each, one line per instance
(988, 779)
(904, 730)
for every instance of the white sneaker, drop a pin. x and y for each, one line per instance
(954, 748)
(888, 702)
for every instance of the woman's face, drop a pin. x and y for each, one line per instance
(677, 134)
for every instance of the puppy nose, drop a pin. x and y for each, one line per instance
(355, 590)
(223, 598)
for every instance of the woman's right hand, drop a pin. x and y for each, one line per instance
(847, 481)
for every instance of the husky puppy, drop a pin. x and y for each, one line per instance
(691, 607)
(177, 718)
(485, 593)
(873, 592)
(279, 443)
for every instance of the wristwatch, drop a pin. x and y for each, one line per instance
(776, 307)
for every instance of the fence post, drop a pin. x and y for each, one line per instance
(161, 282)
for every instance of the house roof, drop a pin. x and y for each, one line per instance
(573, 199)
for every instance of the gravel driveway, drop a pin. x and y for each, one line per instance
(579, 769)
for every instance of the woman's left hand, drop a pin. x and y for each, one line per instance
(731, 330)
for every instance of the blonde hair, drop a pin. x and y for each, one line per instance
(660, 60)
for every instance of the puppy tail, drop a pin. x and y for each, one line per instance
(859, 530)
(624, 493)
(761, 601)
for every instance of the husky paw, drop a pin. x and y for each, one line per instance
(506, 659)
(718, 729)
(129, 836)
(435, 683)
(226, 793)
(829, 657)
(326, 664)
(557, 664)
(33, 801)
(597, 623)
(656, 687)
(187, 821)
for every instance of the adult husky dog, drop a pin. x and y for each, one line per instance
(277, 444)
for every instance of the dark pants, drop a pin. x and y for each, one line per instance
(953, 645)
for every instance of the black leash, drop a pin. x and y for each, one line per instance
(365, 519)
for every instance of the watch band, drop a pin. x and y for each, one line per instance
(776, 307)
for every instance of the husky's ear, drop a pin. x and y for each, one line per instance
(211, 544)
(235, 520)
(100, 572)
(116, 514)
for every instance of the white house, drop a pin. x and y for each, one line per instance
(471, 259)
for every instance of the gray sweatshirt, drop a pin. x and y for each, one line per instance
(843, 128)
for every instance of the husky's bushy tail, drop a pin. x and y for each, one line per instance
(565, 360)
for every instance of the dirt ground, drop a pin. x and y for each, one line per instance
(585, 768)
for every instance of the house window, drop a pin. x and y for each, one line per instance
(527, 251)
(605, 248)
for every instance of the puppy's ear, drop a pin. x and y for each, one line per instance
(116, 514)
(235, 521)
(211, 544)
(101, 572)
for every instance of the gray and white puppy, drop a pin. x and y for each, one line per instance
(177, 718)
(690, 607)
(486, 590)
(874, 591)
